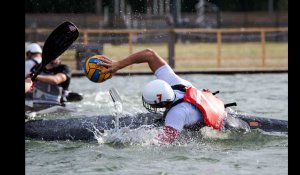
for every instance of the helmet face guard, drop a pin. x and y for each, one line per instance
(157, 95)
(157, 107)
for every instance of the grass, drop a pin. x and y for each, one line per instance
(202, 56)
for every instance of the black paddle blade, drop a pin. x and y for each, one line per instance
(60, 39)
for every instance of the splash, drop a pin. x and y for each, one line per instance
(122, 137)
(146, 135)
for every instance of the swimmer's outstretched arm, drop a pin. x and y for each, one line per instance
(145, 56)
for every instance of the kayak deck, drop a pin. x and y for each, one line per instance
(81, 128)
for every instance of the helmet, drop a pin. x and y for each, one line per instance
(34, 48)
(157, 94)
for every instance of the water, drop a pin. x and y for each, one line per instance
(204, 152)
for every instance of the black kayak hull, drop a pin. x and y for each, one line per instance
(81, 128)
(265, 124)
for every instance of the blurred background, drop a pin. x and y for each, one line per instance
(191, 35)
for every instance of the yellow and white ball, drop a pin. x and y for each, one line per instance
(93, 71)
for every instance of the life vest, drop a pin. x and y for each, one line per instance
(45, 93)
(212, 108)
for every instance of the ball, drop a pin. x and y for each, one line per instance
(93, 71)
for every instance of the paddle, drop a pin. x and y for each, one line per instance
(114, 94)
(60, 39)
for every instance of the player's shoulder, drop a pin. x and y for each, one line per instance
(180, 109)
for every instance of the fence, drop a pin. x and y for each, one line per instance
(173, 36)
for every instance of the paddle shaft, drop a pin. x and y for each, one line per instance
(117, 103)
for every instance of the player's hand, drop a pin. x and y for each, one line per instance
(113, 66)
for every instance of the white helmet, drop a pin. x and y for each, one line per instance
(34, 48)
(157, 94)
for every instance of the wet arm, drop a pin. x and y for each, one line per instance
(145, 56)
(28, 84)
(168, 136)
(52, 79)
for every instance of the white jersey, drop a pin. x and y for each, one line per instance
(30, 63)
(183, 114)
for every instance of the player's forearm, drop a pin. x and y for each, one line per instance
(168, 136)
(51, 79)
(46, 79)
(28, 84)
(145, 56)
(135, 58)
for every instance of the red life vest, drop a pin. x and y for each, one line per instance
(212, 108)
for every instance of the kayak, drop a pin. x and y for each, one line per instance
(53, 109)
(71, 97)
(82, 128)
